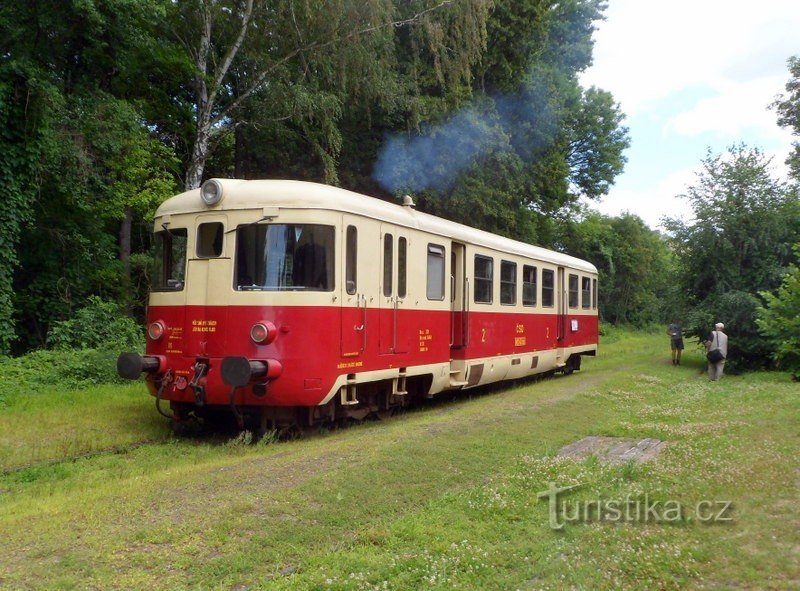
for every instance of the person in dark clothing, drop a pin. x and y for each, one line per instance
(676, 341)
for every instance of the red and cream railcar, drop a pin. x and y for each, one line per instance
(290, 300)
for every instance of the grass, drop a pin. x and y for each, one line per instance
(441, 498)
(52, 424)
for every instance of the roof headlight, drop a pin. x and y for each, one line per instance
(211, 192)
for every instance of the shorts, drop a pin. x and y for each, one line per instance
(677, 344)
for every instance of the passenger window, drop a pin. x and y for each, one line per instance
(388, 256)
(573, 291)
(484, 267)
(548, 282)
(529, 285)
(508, 283)
(586, 292)
(594, 294)
(351, 260)
(402, 247)
(209, 240)
(435, 286)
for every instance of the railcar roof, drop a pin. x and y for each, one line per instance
(256, 194)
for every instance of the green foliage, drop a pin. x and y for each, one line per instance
(739, 244)
(84, 352)
(779, 320)
(103, 114)
(788, 107)
(24, 103)
(530, 142)
(98, 325)
(44, 369)
(636, 267)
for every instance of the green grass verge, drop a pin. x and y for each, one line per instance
(55, 424)
(441, 498)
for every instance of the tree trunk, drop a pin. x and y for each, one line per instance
(238, 152)
(194, 175)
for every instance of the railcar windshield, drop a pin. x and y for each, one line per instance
(284, 257)
(169, 268)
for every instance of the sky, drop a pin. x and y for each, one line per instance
(691, 75)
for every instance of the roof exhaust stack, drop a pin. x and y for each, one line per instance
(408, 201)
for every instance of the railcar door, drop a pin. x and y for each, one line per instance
(561, 311)
(209, 286)
(458, 296)
(356, 292)
(394, 248)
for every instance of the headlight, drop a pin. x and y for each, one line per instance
(156, 330)
(263, 333)
(211, 192)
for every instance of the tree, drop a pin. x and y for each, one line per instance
(739, 244)
(779, 320)
(82, 162)
(254, 50)
(529, 116)
(788, 108)
(634, 263)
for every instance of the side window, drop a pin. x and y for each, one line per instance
(484, 269)
(548, 289)
(529, 285)
(435, 287)
(170, 262)
(351, 260)
(573, 291)
(388, 255)
(209, 240)
(402, 255)
(594, 294)
(586, 292)
(508, 282)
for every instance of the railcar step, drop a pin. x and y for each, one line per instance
(457, 383)
(400, 393)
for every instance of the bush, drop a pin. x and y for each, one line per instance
(779, 322)
(65, 368)
(98, 325)
(84, 352)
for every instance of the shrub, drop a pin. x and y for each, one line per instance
(98, 325)
(64, 368)
(84, 352)
(779, 322)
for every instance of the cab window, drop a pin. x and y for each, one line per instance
(169, 269)
(210, 237)
(285, 257)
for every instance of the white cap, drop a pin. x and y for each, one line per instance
(719, 326)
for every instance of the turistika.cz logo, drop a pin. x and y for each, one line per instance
(629, 510)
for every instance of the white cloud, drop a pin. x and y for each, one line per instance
(739, 107)
(652, 204)
(643, 54)
(655, 58)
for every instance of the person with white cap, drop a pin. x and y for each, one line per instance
(717, 346)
